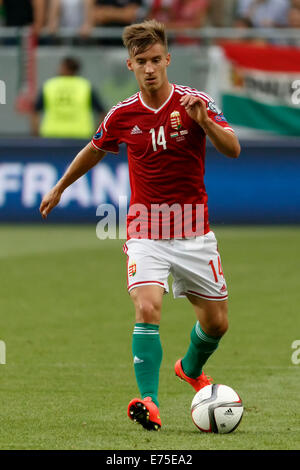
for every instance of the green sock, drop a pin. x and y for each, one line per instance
(201, 347)
(147, 356)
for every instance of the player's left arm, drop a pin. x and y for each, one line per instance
(224, 140)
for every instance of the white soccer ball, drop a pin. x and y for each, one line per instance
(217, 408)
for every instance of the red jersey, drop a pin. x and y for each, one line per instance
(166, 160)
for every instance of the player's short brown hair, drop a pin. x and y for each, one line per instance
(138, 37)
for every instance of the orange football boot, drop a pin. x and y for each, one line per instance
(145, 412)
(197, 383)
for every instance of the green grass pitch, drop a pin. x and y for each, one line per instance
(67, 321)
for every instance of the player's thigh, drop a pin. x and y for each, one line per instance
(147, 264)
(147, 301)
(211, 314)
(197, 269)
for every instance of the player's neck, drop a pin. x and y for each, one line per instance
(156, 98)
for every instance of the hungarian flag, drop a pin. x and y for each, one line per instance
(261, 87)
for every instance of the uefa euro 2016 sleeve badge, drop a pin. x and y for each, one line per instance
(175, 119)
(213, 107)
(99, 134)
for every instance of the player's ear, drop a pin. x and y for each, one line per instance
(129, 65)
(168, 59)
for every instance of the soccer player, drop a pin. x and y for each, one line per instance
(165, 127)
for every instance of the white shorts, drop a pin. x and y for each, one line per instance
(194, 264)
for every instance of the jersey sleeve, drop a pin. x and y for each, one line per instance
(106, 137)
(217, 115)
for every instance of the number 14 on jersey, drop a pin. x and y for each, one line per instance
(158, 139)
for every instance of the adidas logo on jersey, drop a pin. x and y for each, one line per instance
(136, 130)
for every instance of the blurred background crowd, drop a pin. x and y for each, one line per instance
(47, 47)
(49, 16)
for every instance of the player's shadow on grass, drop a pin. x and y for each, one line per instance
(195, 432)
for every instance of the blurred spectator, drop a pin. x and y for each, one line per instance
(68, 102)
(221, 12)
(294, 14)
(1, 13)
(263, 13)
(294, 17)
(160, 10)
(25, 13)
(118, 12)
(76, 14)
(180, 14)
(243, 23)
(294, 21)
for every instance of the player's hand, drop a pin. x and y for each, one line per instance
(50, 200)
(195, 108)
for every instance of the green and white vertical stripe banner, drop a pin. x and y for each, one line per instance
(261, 87)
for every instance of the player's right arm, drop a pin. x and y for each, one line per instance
(88, 157)
(105, 140)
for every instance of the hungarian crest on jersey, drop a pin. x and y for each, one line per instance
(175, 119)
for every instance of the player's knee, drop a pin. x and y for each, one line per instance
(220, 328)
(216, 329)
(147, 311)
(218, 323)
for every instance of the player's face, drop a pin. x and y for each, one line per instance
(150, 67)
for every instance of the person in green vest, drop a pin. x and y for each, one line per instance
(67, 103)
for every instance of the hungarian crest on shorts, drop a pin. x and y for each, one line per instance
(132, 269)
